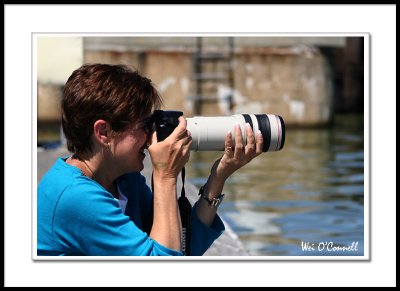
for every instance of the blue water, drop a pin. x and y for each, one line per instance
(306, 200)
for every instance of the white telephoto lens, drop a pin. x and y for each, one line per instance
(209, 132)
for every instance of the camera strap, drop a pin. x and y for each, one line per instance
(185, 210)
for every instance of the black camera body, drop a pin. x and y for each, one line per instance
(164, 122)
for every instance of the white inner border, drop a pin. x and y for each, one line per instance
(21, 21)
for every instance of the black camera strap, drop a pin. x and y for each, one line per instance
(185, 210)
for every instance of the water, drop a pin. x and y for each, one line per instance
(306, 200)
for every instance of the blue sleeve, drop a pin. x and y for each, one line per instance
(202, 236)
(88, 219)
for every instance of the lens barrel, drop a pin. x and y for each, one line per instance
(208, 132)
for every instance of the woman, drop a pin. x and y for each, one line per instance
(95, 202)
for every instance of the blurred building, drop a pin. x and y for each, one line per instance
(303, 79)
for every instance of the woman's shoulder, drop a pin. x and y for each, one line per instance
(85, 194)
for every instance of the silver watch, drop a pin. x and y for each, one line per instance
(214, 202)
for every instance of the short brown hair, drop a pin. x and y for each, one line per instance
(115, 93)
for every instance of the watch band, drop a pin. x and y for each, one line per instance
(214, 202)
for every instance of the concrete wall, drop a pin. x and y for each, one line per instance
(294, 82)
(182, 43)
(289, 76)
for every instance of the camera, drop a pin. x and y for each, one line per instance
(208, 132)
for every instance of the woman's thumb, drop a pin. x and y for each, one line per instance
(152, 139)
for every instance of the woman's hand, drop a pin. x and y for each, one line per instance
(170, 155)
(168, 158)
(233, 159)
(238, 155)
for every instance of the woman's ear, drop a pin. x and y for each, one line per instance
(102, 132)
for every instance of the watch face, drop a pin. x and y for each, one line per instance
(217, 201)
(214, 202)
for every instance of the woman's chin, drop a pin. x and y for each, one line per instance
(139, 166)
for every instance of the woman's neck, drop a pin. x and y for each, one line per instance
(91, 168)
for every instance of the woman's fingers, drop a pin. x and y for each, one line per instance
(180, 131)
(175, 149)
(239, 147)
(188, 139)
(229, 145)
(259, 143)
(152, 139)
(250, 148)
(242, 154)
(236, 154)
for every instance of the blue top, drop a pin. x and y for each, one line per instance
(76, 217)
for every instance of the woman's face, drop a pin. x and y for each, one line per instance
(128, 148)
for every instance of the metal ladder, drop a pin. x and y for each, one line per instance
(204, 72)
